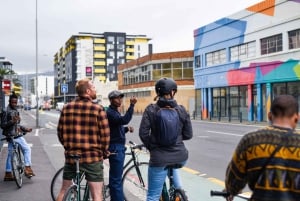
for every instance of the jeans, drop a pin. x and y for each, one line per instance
(116, 163)
(156, 179)
(25, 149)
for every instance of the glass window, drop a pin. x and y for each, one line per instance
(271, 44)
(294, 39)
(120, 54)
(243, 51)
(278, 89)
(120, 39)
(216, 58)
(110, 39)
(177, 65)
(187, 64)
(197, 61)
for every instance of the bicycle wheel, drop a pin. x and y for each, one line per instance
(71, 194)
(105, 193)
(17, 166)
(135, 182)
(56, 183)
(179, 195)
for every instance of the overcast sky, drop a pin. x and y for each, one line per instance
(170, 24)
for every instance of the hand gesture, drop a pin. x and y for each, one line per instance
(28, 129)
(133, 100)
(16, 119)
(130, 129)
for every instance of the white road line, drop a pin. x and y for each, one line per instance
(5, 144)
(36, 132)
(223, 133)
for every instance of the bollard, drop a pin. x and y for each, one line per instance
(241, 117)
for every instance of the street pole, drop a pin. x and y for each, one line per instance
(36, 63)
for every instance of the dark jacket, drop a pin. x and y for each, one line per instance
(8, 126)
(161, 156)
(117, 122)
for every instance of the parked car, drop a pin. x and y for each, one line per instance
(27, 107)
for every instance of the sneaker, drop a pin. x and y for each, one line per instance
(9, 176)
(28, 172)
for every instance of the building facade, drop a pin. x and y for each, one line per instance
(95, 56)
(138, 77)
(243, 61)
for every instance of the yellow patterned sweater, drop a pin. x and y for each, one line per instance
(281, 178)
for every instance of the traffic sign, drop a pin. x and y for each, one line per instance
(64, 88)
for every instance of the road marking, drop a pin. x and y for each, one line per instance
(56, 145)
(203, 136)
(5, 144)
(216, 181)
(36, 132)
(223, 133)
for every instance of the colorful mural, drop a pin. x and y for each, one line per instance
(251, 24)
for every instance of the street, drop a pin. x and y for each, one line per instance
(210, 150)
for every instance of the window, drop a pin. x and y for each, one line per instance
(110, 39)
(120, 39)
(294, 39)
(197, 61)
(215, 58)
(242, 51)
(271, 44)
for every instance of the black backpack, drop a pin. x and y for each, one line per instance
(167, 124)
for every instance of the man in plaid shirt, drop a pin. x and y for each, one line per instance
(83, 129)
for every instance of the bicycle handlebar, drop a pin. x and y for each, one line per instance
(136, 146)
(227, 194)
(7, 138)
(219, 193)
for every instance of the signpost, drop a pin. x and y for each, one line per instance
(64, 89)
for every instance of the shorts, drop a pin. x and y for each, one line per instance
(93, 171)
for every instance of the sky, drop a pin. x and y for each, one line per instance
(170, 24)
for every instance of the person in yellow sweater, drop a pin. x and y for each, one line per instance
(268, 159)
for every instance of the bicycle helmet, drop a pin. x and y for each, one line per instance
(165, 86)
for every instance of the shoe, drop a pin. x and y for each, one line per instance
(28, 172)
(9, 176)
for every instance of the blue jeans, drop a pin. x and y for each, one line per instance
(26, 152)
(116, 163)
(156, 179)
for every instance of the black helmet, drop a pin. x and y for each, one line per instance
(165, 86)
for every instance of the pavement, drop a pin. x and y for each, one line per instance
(196, 185)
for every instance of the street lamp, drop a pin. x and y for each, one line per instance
(36, 63)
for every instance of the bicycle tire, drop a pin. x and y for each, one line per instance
(105, 193)
(56, 183)
(17, 166)
(179, 195)
(135, 179)
(71, 194)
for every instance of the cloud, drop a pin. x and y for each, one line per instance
(170, 23)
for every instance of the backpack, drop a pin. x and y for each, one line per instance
(167, 124)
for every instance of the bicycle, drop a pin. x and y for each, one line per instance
(226, 194)
(134, 176)
(73, 193)
(17, 159)
(172, 194)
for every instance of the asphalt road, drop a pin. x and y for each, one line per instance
(210, 150)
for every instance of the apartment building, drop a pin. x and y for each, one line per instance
(138, 77)
(96, 56)
(244, 60)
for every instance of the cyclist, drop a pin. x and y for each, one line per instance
(83, 129)
(117, 141)
(10, 124)
(161, 156)
(271, 173)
